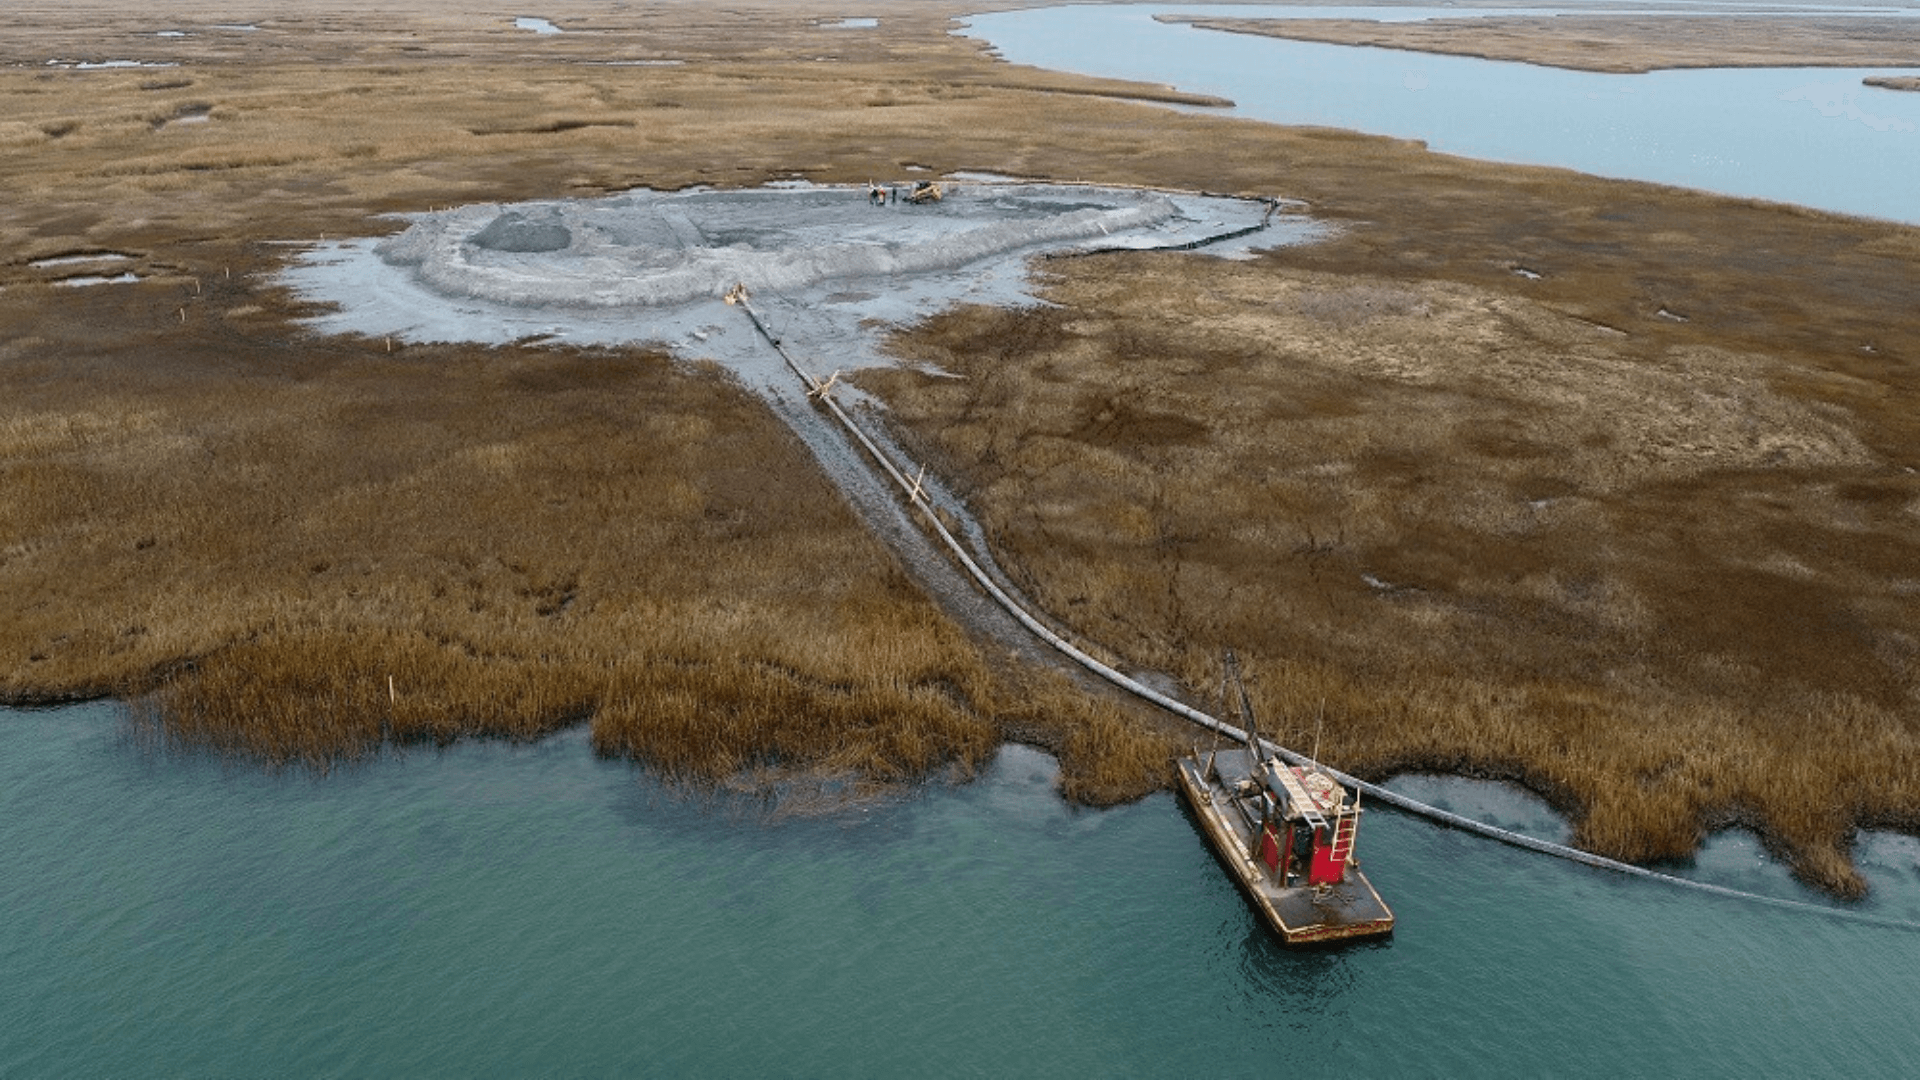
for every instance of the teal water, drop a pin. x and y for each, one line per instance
(530, 910)
(1811, 136)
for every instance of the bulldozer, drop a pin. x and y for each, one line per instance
(925, 191)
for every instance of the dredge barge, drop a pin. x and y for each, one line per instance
(1286, 833)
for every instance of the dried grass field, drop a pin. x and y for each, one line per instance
(1637, 529)
(1623, 41)
(300, 548)
(1641, 538)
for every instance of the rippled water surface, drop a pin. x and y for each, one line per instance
(530, 910)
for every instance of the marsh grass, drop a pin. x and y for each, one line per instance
(1617, 43)
(303, 551)
(300, 550)
(231, 521)
(1109, 750)
(1649, 578)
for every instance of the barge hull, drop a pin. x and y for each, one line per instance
(1300, 914)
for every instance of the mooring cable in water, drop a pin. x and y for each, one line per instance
(822, 391)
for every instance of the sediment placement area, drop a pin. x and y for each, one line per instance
(654, 250)
(835, 265)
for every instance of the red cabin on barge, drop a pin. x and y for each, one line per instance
(1287, 834)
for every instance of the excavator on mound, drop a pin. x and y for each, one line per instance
(926, 191)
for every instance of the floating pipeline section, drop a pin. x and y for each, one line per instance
(822, 391)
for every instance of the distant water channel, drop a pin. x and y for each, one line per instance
(531, 910)
(1812, 136)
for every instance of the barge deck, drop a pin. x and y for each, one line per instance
(1286, 834)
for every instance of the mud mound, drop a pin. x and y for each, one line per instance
(827, 265)
(655, 249)
(515, 232)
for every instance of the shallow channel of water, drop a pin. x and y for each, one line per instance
(1812, 136)
(531, 910)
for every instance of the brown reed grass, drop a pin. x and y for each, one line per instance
(1110, 751)
(1636, 42)
(1654, 579)
(301, 555)
(300, 550)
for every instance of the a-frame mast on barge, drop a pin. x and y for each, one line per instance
(1287, 834)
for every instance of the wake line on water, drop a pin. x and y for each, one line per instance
(917, 497)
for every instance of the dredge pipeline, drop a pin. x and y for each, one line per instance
(1191, 245)
(822, 392)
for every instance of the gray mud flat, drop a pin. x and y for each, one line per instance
(829, 269)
